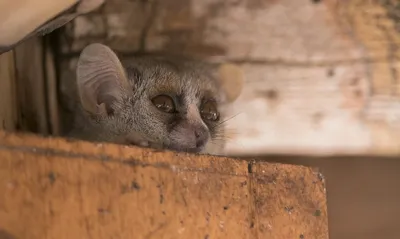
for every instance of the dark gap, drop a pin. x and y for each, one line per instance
(250, 167)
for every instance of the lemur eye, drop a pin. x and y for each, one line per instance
(208, 111)
(164, 103)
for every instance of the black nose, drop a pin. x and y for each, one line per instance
(201, 137)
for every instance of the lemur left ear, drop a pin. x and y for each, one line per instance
(101, 79)
(231, 79)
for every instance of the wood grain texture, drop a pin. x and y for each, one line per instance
(54, 188)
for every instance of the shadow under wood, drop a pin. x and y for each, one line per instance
(363, 194)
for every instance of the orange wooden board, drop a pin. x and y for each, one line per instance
(57, 188)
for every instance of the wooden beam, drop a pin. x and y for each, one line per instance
(57, 188)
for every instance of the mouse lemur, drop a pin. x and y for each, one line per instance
(154, 101)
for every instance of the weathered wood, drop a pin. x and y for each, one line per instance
(320, 75)
(31, 86)
(28, 89)
(54, 188)
(8, 101)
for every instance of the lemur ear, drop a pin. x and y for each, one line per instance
(101, 79)
(231, 79)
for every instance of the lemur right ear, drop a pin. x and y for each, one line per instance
(231, 79)
(101, 79)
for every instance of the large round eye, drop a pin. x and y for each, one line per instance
(208, 111)
(164, 103)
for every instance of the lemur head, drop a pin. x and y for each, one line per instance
(173, 103)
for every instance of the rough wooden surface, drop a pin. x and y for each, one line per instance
(321, 76)
(54, 188)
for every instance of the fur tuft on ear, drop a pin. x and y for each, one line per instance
(101, 79)
(231, 79)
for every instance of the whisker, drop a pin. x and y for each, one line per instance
(223, 122)
(222, 135)
(225, 133)
(223, 139)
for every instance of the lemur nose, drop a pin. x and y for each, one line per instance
(201, 137)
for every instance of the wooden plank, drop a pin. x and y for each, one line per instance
(296, 204)
(31, 86)
(52, 89)
(8, 101)
(57, 188)
(28, 89)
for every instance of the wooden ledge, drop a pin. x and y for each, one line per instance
(57, 188)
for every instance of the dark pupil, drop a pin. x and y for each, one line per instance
(164, 103)
(209, 112)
